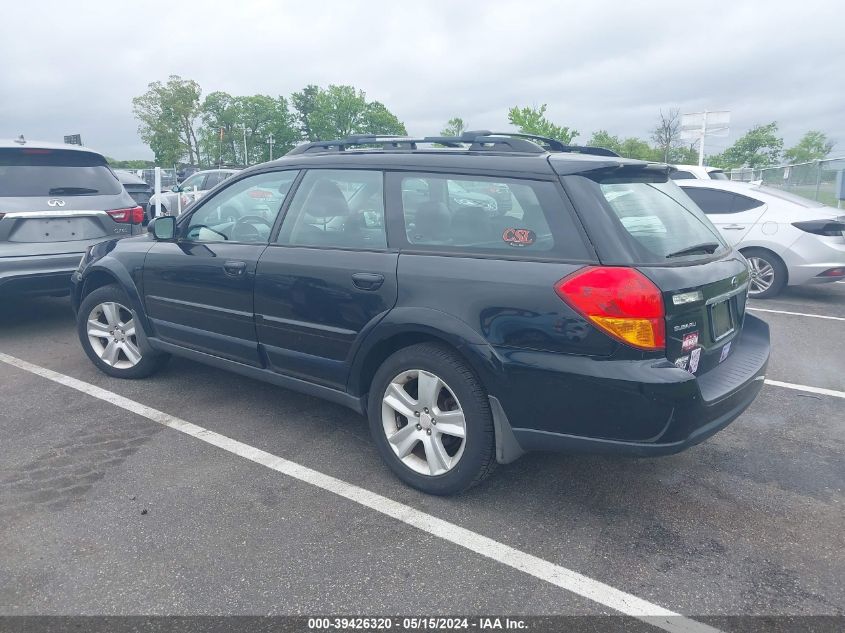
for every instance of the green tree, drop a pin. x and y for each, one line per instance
(167, 115)
(630, 147)
(534, 121)
(340, 111)
(759, 147)
(227, 120)
(814, 145)
(603, 138)
(454, 127)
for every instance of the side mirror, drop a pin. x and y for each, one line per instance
(176, 189)
(162, 228)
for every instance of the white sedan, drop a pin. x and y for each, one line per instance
(696, 172)
(787, 239)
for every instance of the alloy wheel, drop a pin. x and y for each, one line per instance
(423, 422)
(111, 333)
(762, 275)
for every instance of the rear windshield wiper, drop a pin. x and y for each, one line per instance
(707, 247)
(70, 191)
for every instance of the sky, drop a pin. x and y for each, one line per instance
(74, 67)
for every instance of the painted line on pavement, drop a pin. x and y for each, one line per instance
(819, 390)
(804, 314)
(539, 568)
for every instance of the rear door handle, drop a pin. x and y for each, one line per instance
(367, 281)
(734, 227)
(234, 269)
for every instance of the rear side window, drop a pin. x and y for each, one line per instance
(658, 222)
(215, 178)
(29, 172)
(467, 214)
(681, 175)
(716, 202)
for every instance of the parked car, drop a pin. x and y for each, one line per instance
(55, 201)
(136, 187)
(190, 190)
(415, 191)
(602, 313)
(696, 172)
(787, 239)
(500, 192)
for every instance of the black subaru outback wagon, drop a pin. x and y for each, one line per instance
(476, 297)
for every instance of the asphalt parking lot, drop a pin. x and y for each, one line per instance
(104, 511)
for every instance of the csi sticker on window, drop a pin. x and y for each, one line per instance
(519, 237)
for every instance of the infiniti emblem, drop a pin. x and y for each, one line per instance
(55, 202)
(733, 281)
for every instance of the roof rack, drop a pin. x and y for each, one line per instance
(476, 140)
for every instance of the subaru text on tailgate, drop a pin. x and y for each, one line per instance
(596, 309)
(55, 201)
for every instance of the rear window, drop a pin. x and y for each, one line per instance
(28, 172)
(717, 174)
(661, 223)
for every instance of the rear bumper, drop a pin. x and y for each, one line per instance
(641, 407)
(37, 274)
(811, 255)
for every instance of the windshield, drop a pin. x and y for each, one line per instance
(662, 223)
(29, 172)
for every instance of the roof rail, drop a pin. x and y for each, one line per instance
(477, 140)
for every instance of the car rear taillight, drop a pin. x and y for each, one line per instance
(828, 228)
(135, 215)
(620, 301)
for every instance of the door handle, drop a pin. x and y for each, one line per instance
(367, 281)
(234, 269)
(734, 227)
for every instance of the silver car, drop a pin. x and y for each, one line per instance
(190, 190)
(55, 201)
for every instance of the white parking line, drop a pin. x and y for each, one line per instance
(818, 390)
(539, 568)
(816, 316)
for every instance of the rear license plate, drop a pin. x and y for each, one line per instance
(721, 319)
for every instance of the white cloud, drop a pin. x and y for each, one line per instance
(598, 65)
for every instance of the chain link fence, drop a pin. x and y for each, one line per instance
(815, 180)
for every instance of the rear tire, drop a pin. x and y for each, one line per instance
(415, 389)
(768, 273)
(111, 335)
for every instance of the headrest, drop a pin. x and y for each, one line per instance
(433, 221)
(327, 200)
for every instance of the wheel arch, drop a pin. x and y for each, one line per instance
(404, 327)
(107, 272)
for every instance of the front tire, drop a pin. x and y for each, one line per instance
(430, 419)
(768, 273)
(110, 335)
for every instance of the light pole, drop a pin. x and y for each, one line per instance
(246, 155)
(270, 142)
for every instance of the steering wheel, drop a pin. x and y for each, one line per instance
(244, 229)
